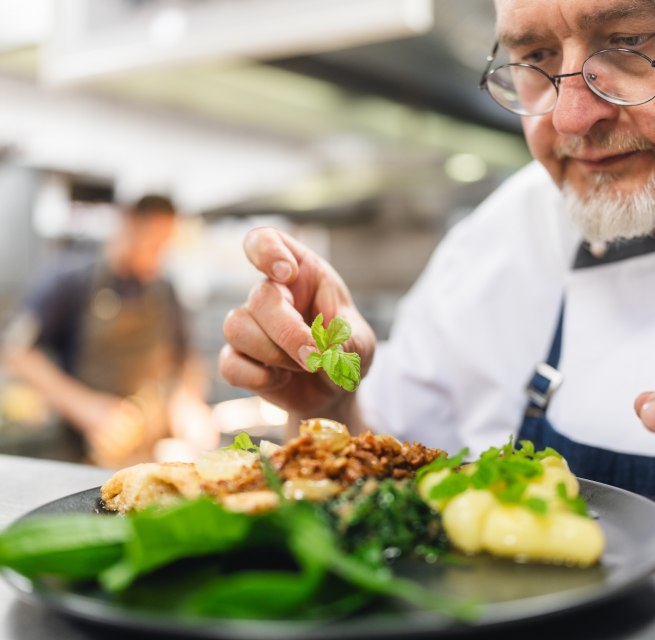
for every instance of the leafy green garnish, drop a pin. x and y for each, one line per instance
(342, 367)
(384, 519)
(77, 545)
(196, 558)
(576, 504)
(505, 471)
(161, 536)
(442, 462)
(242, 442)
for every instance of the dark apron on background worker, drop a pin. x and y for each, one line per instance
(627, 471)
(127, 349)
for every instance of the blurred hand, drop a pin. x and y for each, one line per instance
(113, 426)
(645, 408)
(269, 337)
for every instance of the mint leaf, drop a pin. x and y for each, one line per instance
(314, 361)
(576, 504)
(506, 472)
(536, 505)
(442, 462)
(319, 333)
(343, 368)
(450, 486)
(242, 442)
(338, 331)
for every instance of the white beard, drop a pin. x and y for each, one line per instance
(605, 215)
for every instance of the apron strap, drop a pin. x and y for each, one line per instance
(546, 379)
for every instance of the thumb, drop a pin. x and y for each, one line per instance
(645, 409)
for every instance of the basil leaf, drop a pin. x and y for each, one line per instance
(160, 536)
(254, 594)
(71, 546)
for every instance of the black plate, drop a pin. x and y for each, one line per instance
(509, 592)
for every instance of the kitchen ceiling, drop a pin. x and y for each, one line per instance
(434, 72)
(415, 96)
(438, 71)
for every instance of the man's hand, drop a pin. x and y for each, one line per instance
(269, 337)
(113, 427)
(645, 408)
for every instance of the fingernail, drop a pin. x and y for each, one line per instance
(303, 354)
(647, 414)
(281, 270)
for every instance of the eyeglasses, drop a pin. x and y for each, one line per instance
(620, 76)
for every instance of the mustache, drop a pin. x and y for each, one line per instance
(612, 142)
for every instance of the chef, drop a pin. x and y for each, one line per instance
(535, 317)
(106, 343)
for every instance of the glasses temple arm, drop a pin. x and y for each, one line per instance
(490, 59)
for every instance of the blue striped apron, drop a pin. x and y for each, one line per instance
(627, 471)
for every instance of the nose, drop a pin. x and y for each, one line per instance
(579, 109)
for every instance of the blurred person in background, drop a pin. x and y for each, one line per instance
(518, 292)
(107, 345)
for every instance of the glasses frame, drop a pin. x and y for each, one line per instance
(557, 79)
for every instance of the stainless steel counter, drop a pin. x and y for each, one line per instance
(26, 483)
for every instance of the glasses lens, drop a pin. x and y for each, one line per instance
(622, 77)
(522, 89)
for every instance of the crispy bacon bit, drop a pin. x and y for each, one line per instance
(364, 456)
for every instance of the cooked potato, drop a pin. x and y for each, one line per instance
(567, 538)
(556, 471)
(464, 518)
(475, 520)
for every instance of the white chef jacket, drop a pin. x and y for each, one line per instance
(468, 335)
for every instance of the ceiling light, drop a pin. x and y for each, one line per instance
(465, 167)
(168, 27)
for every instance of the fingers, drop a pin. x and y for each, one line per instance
(274, 253)
(645, 409)
(248, 338)
(270, 329)
(240, 371)
(117, 435)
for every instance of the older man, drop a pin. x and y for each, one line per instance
(548, 283)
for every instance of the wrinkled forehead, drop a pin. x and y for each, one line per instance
(523, 21)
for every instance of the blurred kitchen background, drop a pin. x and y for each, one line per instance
(356, 125)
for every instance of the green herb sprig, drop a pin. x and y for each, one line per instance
(342, 367)
(242, 442)
(506, 471)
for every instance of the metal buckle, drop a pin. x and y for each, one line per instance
(554, 377)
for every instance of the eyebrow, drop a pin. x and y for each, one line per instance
(630, 9)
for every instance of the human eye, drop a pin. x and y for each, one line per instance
(534, 57)
(631, 41)
(543, 58)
